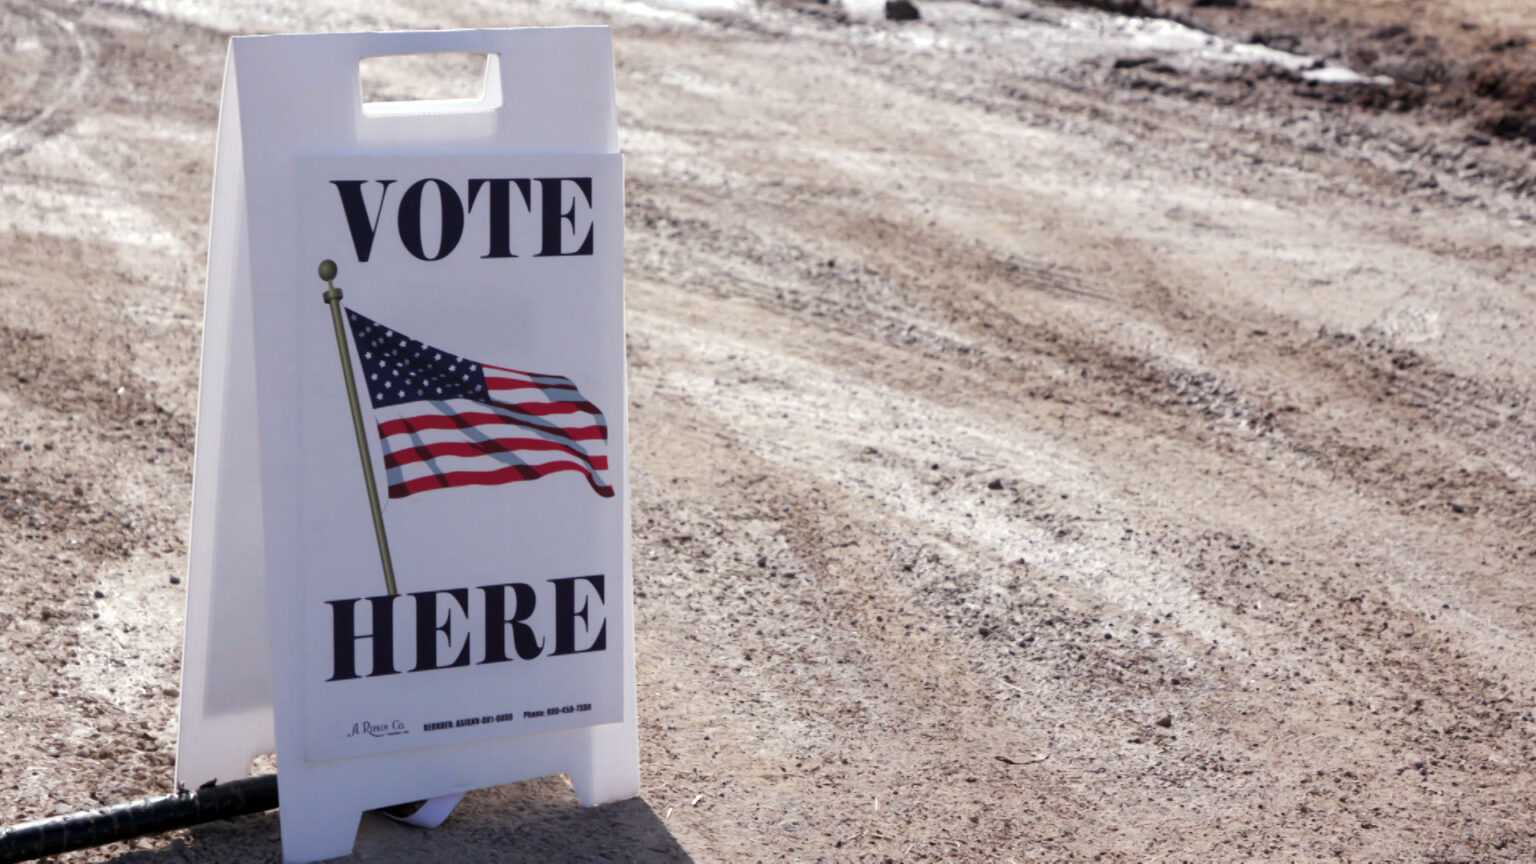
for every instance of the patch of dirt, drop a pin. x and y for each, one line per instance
(1461, 58)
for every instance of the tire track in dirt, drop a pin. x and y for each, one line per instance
(1189, 399)
(50, 88)
(1397, 379)
(1236, 581)
(1094, 686)
(1307, 623)
(900, 675)
(1147, 394)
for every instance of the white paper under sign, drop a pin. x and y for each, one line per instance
(411, 444)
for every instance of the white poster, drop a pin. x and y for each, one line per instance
(410, 554)
(482, 316)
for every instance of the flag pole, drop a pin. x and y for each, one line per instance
(332, 297)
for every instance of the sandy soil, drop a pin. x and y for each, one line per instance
(1057, 436)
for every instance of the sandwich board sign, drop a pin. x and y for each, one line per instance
(410, 564)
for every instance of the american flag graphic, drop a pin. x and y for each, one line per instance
(445, 420)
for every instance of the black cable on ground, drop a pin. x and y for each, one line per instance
(208, 803)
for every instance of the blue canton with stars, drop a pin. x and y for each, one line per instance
(400, 369)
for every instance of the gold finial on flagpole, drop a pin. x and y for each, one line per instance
(332, 298)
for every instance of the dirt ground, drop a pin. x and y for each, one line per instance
(1057, 435)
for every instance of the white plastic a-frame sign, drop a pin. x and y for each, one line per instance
(410, 534)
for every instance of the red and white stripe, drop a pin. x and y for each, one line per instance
(535, 425)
